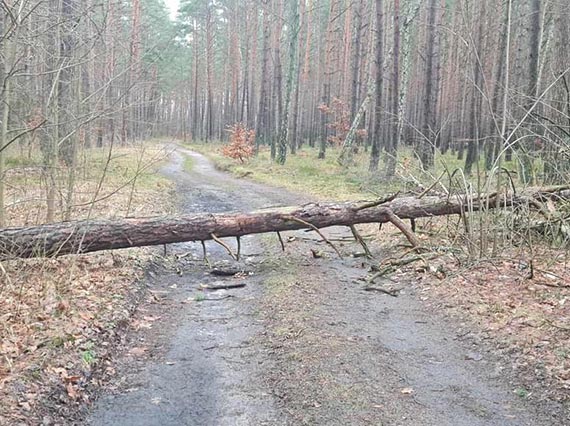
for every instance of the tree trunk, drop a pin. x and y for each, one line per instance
(327, 76)
(375, 152)
(345, 157)
(475, 116)
(394, 142)
(262, 111)
(89, 236)
(526, 147)
(209, 75)
(429, 107)
(284, 127)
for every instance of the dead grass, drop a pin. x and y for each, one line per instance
(59, 317)
(130, 175)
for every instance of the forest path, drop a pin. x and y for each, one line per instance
(300, 344)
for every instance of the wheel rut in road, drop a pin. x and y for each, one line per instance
(301, 343)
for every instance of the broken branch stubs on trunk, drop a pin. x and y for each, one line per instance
(88, 236)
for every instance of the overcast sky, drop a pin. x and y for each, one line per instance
(173, 6)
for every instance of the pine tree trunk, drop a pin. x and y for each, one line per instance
(378, 112)
(393, 144)
(88, 236)
(284, 128)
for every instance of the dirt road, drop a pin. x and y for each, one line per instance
(302, 343)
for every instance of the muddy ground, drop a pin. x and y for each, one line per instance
(302, 343)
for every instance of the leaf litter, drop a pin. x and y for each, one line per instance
(60, 318)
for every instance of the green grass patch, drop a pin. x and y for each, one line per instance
(325, 179)
(188, 164)
(304, 173)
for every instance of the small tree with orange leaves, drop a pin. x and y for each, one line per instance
(241, 145)
(341, 121)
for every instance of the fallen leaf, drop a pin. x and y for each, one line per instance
(151, 318)
(137, 351)
(71, 391)
(71, 379)
(25, 405)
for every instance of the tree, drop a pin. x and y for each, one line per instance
(526, 148)
(378, 107)
(326, 78)
(261, 133)
(475, 115)
(394, 142)
(429, 131)
(284, 127)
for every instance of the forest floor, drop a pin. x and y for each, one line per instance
(303, 342)
(60, 318)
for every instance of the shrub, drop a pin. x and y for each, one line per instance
(241, 145)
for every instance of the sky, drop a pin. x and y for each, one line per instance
(172, 5)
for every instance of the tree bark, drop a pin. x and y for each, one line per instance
(263, 110)
(378, 113)
(394, 140)
(284, 123)
(90, 236)
(429, 117)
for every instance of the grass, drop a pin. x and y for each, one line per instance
(325, 179)
(125, 164)
(127, 180)
(188, 164)
(303, 173)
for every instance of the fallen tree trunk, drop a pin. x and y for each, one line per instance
(88, 236)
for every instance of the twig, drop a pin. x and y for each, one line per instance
(393, 293)
(551, 285)
(223, 286)
(227, 272)
(205, 254)
(224, 245)
(393, 264)
(227, 296)
(238, 248)
(560, 327)
(360, 240)
(398, 223)
(314, 228)
(183, 255)
(23, 133)
(429, 188)
(209, 348)
(377, 202)
(281, 241)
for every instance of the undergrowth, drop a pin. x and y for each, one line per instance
(58, 317)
